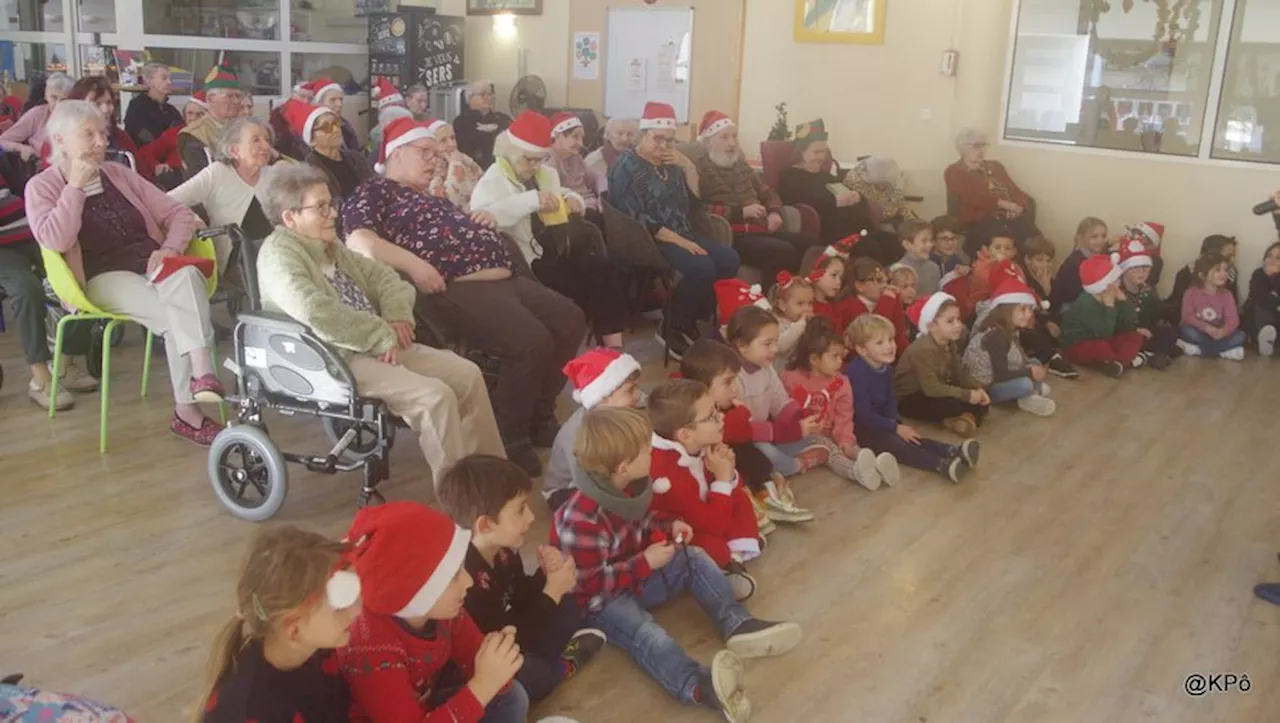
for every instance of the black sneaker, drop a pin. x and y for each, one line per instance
(1113, 369)
(969, 451)
(1062, 368)
(522, 454)
(954, 469)
(677, 344)
(544, 433)
(581, 648)
(1160, 361)
(761, 638)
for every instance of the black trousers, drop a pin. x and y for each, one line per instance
(1038, 342)
(543, 670)
(1164, 340)
(594, 283)
(21, 270)
(773, 252)
(754, 467)
(936, 409)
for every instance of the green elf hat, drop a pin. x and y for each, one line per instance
(810, 132)
(222, 77)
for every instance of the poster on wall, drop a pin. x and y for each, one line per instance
(636, 80)
(586, 56)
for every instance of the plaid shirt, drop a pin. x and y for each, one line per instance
(726, 191)
(607, 549)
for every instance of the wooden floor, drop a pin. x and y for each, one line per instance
(1093, 562)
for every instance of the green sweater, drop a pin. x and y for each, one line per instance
(933, 370)
(291, 274)
(1087, 319)
(1147, 306)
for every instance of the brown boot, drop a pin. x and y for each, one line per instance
(963, 425)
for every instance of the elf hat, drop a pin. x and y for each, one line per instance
(531, 132)
(1150, 231)
(222, 77)
(399, 132)
(733, 294)
(597, 373)
(563, 122)
(1011, 291)
(199, 99)
(922, 312)
(385, 94)
(406, 554)
(1133, 254)
(713, 121)
(810, 132)
(302, 117)
(1098, 272)
(323, 85)
(658, 117)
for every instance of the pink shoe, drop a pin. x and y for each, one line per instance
(208, 388)
(812, 457)
(202, 436)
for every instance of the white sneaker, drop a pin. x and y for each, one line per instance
(1037, 405)
(887, 466)
(726, 678)
(1042, 389)
(40, 395)
(864, 470)
(1267, 340)
(742, 583)
(1236, 354)
(1188, 348)
(75, 379)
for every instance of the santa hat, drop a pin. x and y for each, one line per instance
(222, 77)
(563, 122)
(1011, 291)
(199, 99)
(1098, 272)
(733, 294)
(713, 121)
(406, 554)
(922, 312)
(1133, 254)
(597, 373)
(531, 132)
(302, 117)
(1150, 231)
(399, 132)
(324, 85)
(434, 127)
(385, 94)
(658, 117)
(844, 247)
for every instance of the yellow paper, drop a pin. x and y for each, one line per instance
(557, 217)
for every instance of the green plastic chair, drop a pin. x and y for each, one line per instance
(67, 287)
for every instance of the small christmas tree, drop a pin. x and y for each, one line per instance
(781, 130)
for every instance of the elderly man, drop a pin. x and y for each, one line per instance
(150, 114)
(466, 273)
(732, 189)
(478, 125)
(619, 137)
(415, 98)
(222, 93)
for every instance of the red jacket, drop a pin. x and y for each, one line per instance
(165, 148)
(972, 190)
(887, 306)
(719, 511)
(828, 309)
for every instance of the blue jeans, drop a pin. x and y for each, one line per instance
(511, 706)
(694, 297)
(627, 622)
(1208, 345)
(1011, 390)
(783, 456)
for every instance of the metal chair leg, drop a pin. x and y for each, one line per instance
(57, 364)
(105, 385)
(146, 362)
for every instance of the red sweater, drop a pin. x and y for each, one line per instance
(887, 306)
(717, 510)
(973, 192)
(165, 148)
(391, 669)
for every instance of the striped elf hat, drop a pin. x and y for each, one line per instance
(222, 77)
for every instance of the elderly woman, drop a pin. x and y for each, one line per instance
(525, 196)
(982, 191)
(196, 140)
(27, 135)
(114, 229)
(365, 309)
(480, 124)
(415, 98)
(453, 174)
(876, 179)
(97, 91)
(321, 129)
(655, 184)
(619, 137)
(567, 135)
(465, 272)
(150, 114)
(330, 94)
(809, 180)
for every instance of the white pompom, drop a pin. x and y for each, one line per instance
(662, 485)
(1115, 259)
(1044, 304)
(342, 590)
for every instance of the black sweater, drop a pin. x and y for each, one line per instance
(796, 185)
(504, 595)
(147, 119)
(476, 133)
(255, 690)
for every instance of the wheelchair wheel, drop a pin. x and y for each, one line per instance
(247, 472)
(365, 443)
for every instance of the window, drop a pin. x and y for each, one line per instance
(24, 61)
(248, 19)
(1148, 76)
(259, 71)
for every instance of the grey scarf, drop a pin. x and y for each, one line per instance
(610, 498)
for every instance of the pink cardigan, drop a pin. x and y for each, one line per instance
(30, 127)
(55, 209)
(831, 398)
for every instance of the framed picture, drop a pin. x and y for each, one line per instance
(840, 21)
(493, 7)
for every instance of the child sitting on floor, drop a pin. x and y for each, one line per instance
(600, 377)
(998, 246)
(295, 602)
(953, 263)
(866, 292)
(1161, 338)
(631, 559)
(930, 382)
(695, 479)
(1262, 309)
(828, 280)
(917, 246)
(413, 625)
(1100, 327)
(1035, 258)
(902, 284)
(1151, 235)
(792, 301)
(995, 356)
(1210, 320)
(1091, 238)
(816, 382)
(1214, 245)
(876, 421)
(490, 497)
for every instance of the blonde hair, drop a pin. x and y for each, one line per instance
(898, 276)
(1087, 224)
(285, 567)
(611, 436)
(867, 328)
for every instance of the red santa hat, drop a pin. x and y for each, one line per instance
(399, 132)
(563, 122)
(713, 121)
(922, 312)
(733, 294)
(1098, 272)
(531, 132)
(844, 247)
(384, 94)
(323, 85)
(199, 99)
(1149, 231)
(434, 127)
(405, 554)
(1012, 291)
(597, 373)
(302, 117)
(658, 117)
(1133, 254)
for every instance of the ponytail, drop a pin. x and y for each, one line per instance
(225, 648)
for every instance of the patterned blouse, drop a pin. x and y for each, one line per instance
(349, 292)
(113, 234)
(432, 228)
(455, 179)
(655, 195)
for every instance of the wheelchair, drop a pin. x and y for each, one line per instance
(280, 365)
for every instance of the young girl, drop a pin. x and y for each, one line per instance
(902, 282)
(997, 246)
(1091, 238)
(273, 662)
(1262, 310)
(1215, 245)
(828, 279)
(792, 301)
(866, 291)
(930, 382)
(1210, 321)
(995, 356)
(814, 379)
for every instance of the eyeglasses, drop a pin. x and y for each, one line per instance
(715, 416)
(663, 140)
(876, 278)
(324, 208)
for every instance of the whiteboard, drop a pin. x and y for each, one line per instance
(648, 55)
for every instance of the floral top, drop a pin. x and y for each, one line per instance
(432, 228)
(655, 195)
(454, 179)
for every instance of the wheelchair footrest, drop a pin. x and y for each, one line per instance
(326, 464)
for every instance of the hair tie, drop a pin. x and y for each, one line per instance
(258, 611)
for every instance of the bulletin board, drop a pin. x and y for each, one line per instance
(648, 55)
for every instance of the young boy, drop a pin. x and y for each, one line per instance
(1161, 343)
(490, 496)
(1100, 327)
(917, 245)
(695, 479)
(1035, 259)
(600, 377)
(631, 558)
(998, 246)
(409, 559)
(868, 282)
(930, 382)
(948, 235)
(875, 417)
